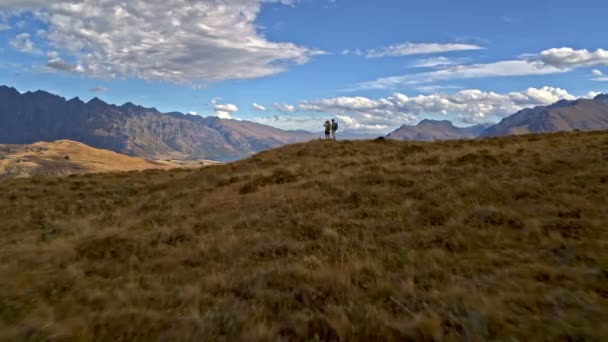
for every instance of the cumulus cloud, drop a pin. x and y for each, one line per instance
(258, 107)
(471, 106)
(224, 111)
(56, 63)
(570, 58)
(409, 49)
(285, 108)
(180, 41)
(23, 43)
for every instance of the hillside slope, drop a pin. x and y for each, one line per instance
(434, 130)
(582, 114)
(131, 129)
(65, 157)
(495, 239)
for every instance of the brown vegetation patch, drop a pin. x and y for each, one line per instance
(495, 239)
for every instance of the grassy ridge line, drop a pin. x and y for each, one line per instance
(490, 239)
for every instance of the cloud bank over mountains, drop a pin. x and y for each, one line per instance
(472, 106)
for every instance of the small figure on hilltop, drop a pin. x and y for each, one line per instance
(327, 129)
(334, 128)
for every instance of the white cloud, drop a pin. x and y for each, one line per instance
(258, 107)
(550, 61)
(56, 63)
(599, 76)
(180, 41)
(497, 69)
(23, 43)
(25, 4)
(435, 62)
(223, 115)
(285, 108)
(230, 108)
(592, 94)
(569, 58)
(353, 124)
(4, 27)
(409, 49)
(224, 111)
(471, 106)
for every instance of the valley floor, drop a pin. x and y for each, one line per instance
(494, 239)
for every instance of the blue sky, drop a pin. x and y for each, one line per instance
(374, 65)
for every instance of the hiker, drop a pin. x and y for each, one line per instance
(327, 129)
(334, 127)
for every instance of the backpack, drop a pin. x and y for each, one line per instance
(335, 126)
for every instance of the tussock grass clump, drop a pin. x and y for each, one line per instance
(498, 239)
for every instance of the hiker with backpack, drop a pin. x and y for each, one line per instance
(327, 129)
(334, 127)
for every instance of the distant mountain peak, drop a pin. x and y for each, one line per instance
(96, 101)
(76, 99)
(446, 123)
(430, 130)
(9, 90)
(601, 97)
(564, 115)
(130, 106)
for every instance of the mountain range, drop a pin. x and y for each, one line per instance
(131, 129)
(430, 130)
(137, 131)
(581, 114)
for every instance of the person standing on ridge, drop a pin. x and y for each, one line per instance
(334, 127)
(327, 129)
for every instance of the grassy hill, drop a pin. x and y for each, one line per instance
(66, 157)
(372, 240)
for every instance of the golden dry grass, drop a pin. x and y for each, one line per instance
(65, 157)
(499, 239)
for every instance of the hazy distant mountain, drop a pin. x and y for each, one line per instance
(131, 129)
(430, 130)
(583, 114)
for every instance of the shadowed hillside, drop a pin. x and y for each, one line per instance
(502, 239)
